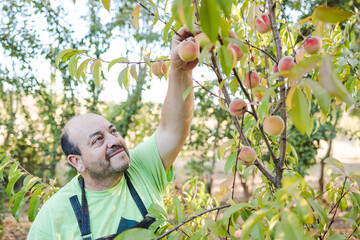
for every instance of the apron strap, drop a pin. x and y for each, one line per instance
(136, 197)
(82, 212)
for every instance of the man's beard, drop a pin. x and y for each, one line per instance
(105, 170)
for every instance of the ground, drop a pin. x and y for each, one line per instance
(345, 151)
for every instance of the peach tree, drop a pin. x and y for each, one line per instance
(268, 74)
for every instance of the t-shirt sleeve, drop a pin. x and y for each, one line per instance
(146, 160)
(40, 228)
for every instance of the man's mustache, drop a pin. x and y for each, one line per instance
(114, 149)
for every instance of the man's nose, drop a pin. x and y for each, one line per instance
(112, 141)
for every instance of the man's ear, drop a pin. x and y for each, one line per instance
(76, 162)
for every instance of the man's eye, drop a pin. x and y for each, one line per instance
(98, 139)
(114, 131)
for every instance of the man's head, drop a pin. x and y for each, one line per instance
(94, 147)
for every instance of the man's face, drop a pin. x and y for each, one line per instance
(103, 150)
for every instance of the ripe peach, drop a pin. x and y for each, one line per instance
(312, 44)
(201, 39)
(252, 79)
(247, 155)
(188, 51)
(299, 55)
(159, 68)
(275, 68)
(237, 107)
(239, 53)
(274, 125)
(262, 23)
(286, 63)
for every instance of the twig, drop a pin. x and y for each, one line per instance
(152, 14)
(353, 70)
(211, 93)
(192, 218)
(249, 44)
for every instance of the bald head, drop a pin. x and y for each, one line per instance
(69, 143)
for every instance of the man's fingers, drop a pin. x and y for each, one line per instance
(185, 33)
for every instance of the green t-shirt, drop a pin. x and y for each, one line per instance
(56, 219)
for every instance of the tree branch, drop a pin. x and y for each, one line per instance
(192, 218)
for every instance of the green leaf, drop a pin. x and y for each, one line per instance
(133, 71)
(319, 210)
(156, 211)
(106, 4)
(335, 162)
(337, 236)
(291, 227)
(166, 29)
(81, 71)
(70, 54)
(96, 66)
(223, 147)
(155, 11)
(215, 228)
(204, 53)
(4, 162)
(321, 95)
(226, 60)
(302, 68)
(235, 208)
(331, 83)
(136, 234)
(187, 92)
(124, 78)
(117, 60)
(73, 65)
(61, 55)
(243, 47)
(189, 13)
(300, 112)
(253, 220)
(13, 177)
(248, 170)
(303, 210)
(233, 86)
(225, 6)
(33, 207)
(29, 181)
(210, 19)
(178, 210)
(332, 15)
(230, 162)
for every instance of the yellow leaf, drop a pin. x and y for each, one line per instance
(135, 18)
(106, 4)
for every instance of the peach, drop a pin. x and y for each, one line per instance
(233, 56)
(159, 68)
(312, 44)
(286, 63)
(247, 155)
(299, 55)
(275, 68)
(262, 23)
(237, 107)
(202, 40)
(188, 51)
(252, 79)
(239, 53)
(274, 125)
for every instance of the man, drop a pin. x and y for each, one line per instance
(115, 187)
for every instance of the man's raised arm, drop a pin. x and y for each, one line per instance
(176, 114)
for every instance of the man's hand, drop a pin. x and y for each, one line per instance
(176, 63)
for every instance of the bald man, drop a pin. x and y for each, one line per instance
(115, 187)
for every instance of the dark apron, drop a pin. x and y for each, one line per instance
(82, 213)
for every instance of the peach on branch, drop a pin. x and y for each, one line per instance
(159, 68)
(262, 23)
(275, 68)
(239, 53)
(312, 44)
(274, 125)
(259, 95)
(188, 51)
(202, 40)
(247, 155)
(252, 79)
(237, 107)
(286, 63)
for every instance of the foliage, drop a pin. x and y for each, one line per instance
(284, 206)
